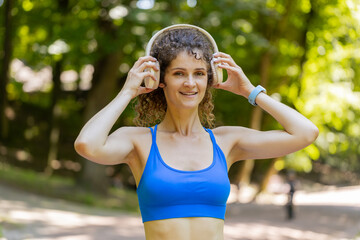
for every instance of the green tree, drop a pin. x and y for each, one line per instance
(304, 52)
(5, 57)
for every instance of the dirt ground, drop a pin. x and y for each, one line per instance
(333, 214)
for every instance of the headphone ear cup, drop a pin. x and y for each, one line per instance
(217, 72)
(149, 82)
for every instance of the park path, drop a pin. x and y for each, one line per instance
(327, 215)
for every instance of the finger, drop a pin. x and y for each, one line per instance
(141, 60)
(149, 64)
(143, 75)
(221, 54)
(221, 86)
(228, 61)
(228, 67)
(143, 90)
(223, 57)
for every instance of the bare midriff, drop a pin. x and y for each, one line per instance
(195, 228)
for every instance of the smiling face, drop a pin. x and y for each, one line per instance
(186, 81)
(153, 106)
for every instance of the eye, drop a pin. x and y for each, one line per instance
(200, 74)
(178, 73)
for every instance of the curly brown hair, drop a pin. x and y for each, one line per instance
(151, 107)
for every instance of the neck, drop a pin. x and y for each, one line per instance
(183, 122)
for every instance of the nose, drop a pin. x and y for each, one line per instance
(190, 81)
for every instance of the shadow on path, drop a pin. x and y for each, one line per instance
(27, 216)
(252, 221)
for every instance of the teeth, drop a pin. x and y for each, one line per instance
(188, 93)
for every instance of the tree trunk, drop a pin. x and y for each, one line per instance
(4, 70)
(106, 71)
(265, 180)
(271, 169)
(54, 110)
(256, 120)
(54, 130)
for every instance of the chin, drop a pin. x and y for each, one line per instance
(191, 105)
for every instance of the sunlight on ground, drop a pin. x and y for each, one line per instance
(74, 237)
(59, 218)
(257, 231)
(45, 223)
(345, 196)
(30, 217)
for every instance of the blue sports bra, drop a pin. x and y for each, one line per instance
(165, 192)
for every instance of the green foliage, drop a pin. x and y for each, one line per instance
(328, 94)
(65, 188)
(314, 48)
(29, 179)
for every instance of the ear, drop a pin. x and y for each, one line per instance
(162, 85)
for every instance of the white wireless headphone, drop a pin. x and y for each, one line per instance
(217, 72)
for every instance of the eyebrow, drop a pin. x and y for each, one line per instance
(179, 68)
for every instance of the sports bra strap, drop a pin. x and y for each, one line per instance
(211, 135)
(153, 133)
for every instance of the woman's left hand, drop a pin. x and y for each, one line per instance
(237, 82)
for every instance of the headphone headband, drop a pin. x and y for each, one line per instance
(180, 26)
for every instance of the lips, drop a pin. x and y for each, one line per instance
(188, 93)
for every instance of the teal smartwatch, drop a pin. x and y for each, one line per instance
(254, 94)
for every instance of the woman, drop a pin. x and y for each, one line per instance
(179, 166)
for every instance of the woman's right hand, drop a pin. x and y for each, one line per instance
(137, 74)
(94, 141)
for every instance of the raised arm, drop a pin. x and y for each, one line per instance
(94, 142)
(247, 143)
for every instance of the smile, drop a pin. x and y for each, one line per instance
(188, 93)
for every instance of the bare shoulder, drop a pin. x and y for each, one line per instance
(131, 132)
(126, 144)
(231, 135)
(226, 132)
(227, 137)
(121, 146)
(138, 136)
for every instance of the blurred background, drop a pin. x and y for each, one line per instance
(63, 60)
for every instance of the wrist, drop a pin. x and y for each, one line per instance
(248, 90)
(127, 93)
(254, 93)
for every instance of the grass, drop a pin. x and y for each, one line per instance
(66, 188)
(357, 237)
(8, 224)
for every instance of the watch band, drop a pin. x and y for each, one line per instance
(254, 94)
